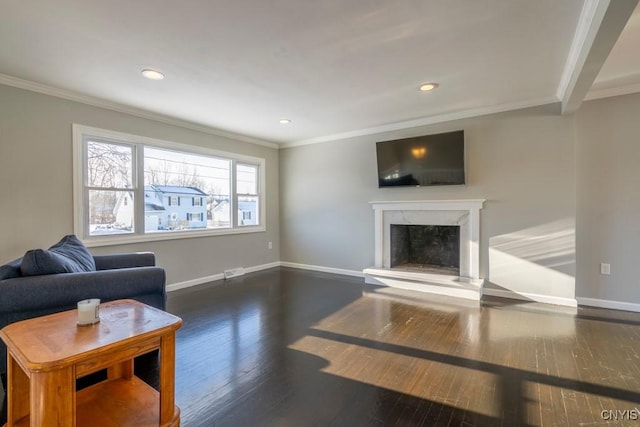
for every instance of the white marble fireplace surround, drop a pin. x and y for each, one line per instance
(464, 213)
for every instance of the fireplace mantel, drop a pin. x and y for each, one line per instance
(465, 213)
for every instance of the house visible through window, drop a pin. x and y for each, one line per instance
(247, 193)
(127, 185)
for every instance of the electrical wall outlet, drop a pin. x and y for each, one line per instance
(605, 268)
(270, 245)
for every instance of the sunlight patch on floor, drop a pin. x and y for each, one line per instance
(456, 386)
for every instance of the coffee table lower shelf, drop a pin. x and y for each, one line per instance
(118, 403)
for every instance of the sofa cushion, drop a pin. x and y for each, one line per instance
(69, 255)
(11, 270)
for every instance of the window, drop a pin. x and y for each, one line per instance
(195, 217)
(247, 192)
(131, 188)
(109, 177)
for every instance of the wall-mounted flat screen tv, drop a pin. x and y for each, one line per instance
(422, 161)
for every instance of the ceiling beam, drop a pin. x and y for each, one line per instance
(599, 27)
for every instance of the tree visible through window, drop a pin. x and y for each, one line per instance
(131, 187)
(188, 177)
(109, 180)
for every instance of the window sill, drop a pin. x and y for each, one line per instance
(97, 241)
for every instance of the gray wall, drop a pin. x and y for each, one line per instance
(522, 162)
(36, 205)
(608, 204)
(525, 163)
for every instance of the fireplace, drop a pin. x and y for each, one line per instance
(428, 248)
(431, 246)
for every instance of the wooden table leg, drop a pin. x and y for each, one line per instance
(167, 373)
(121, 370)
(53, 398)
(17, 392)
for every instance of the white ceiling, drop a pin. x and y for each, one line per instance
(335, 68)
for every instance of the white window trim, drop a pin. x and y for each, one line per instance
(81, 131)
(237, 195)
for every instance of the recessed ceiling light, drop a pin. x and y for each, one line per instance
(152, 74)
(426, 87)
(285, 121)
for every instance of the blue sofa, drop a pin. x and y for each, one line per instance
(130, 275)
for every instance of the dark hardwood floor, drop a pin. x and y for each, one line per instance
(287, 347)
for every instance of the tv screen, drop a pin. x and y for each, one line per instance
(422, 161)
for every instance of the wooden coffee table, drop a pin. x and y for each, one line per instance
(47, 354)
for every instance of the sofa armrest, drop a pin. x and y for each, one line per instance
(65, 290)
(125, 260)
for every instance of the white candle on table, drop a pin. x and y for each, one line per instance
(88, 311)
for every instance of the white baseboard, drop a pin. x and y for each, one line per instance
(219, 276)
(322, 269)
(547, 299)
(262, 267)
(569, 302)
(194, 282)
(603, 303)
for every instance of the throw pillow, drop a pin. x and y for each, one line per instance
(11, 270)
(69, 255)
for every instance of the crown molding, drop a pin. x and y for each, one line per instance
(613, 91)
(120, 108)
(424, 121)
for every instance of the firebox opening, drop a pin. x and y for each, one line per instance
(430, 248)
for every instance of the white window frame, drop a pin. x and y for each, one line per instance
(80, 203)
(236, 195)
